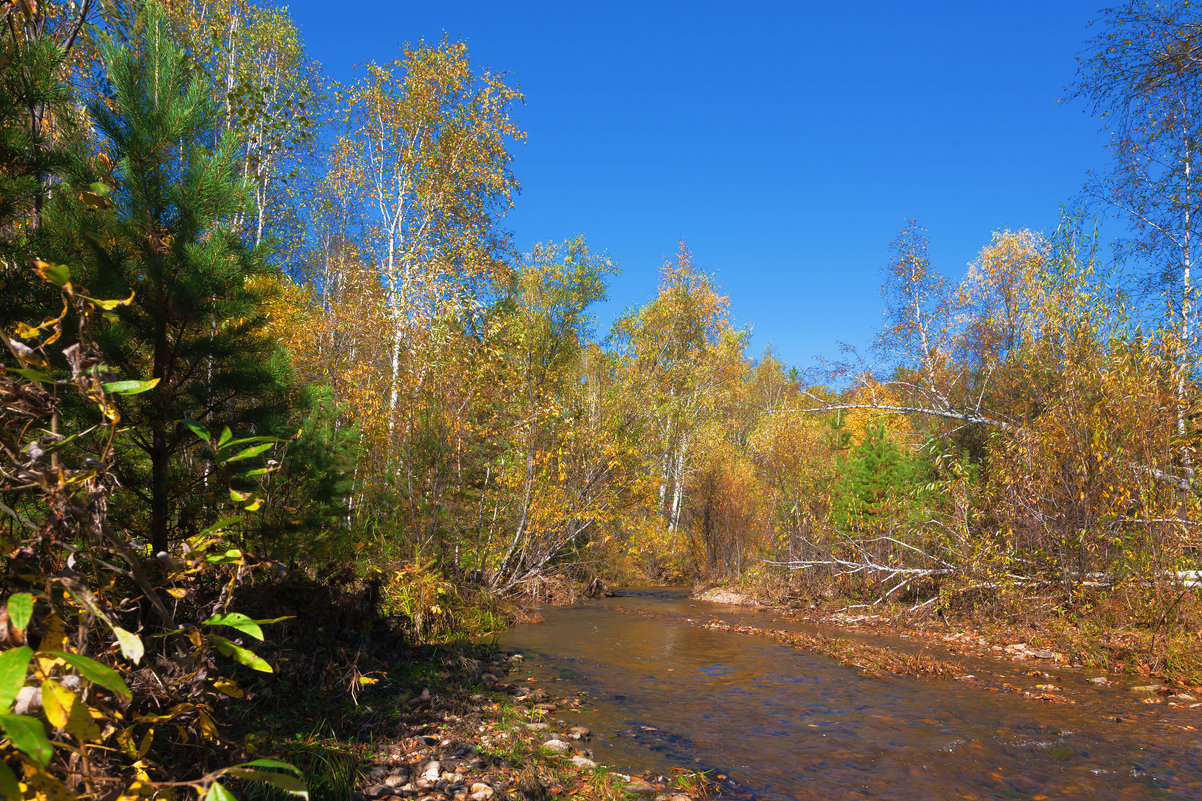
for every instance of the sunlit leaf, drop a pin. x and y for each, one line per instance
(32, 375)
(240, 654)
(109, 305)
(131, 644)
(250, 452)
(95, 672)
(245, 440)
(229, 557)
(221, 525)
(130, 387)
(218, 793)
(20, 610)
(14, 664)
(228, 687)
(239, 621)
(291, 784)
(57, 274)
(56, 703)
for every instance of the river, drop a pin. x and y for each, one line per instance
(781, 723)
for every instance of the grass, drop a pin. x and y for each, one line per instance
(332, 772)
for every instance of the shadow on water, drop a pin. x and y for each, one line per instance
(784, 723)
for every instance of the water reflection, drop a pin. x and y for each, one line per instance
(791, 724)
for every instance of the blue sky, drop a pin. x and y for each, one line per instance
(785, 142)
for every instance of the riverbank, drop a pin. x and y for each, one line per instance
(449, 722)
(480, 735)
(1060, 662)
(368, 710)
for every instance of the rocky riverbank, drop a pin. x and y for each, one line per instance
(1044, 668)
(499, 738)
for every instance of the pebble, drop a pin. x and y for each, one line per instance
(538, 726)
(583, 762)
(557, 746)
(432, 771)
(580, 732)
(641, 788)
(1145, 688)
(1101, 681)
(28, 701)
(481, 791)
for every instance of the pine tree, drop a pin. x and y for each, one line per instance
(166, 232)
(878, 476)
(32, 94)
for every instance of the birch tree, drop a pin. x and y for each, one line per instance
(425, 151)
(682, 357)
(266, 89)
(1142, 73)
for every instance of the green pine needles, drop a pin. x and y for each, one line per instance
(163, 228)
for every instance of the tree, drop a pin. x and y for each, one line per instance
(264, 85)
(565, 461)
(1143, 72)
(38, 127)
(161, 231)
(38, 39)
(425, 154)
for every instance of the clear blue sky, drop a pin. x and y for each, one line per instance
(785, 142)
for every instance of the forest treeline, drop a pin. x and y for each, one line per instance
(260, 327)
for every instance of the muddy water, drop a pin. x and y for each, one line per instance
(782, 723)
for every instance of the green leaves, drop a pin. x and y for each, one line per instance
(197, 429)
(32, 375)
(28, 735)
(20, 610)
(8, 783)
(218, 793)
(130, 387)
(95, 672)
(252, 451)
(279, 775)
(97, 196)
(240, 654)
(239, 621)
(13, 665)
(221, 525)
(57, 274)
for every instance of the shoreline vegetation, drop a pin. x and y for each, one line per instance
(285, 421)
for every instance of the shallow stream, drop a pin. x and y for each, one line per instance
(782, 723)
